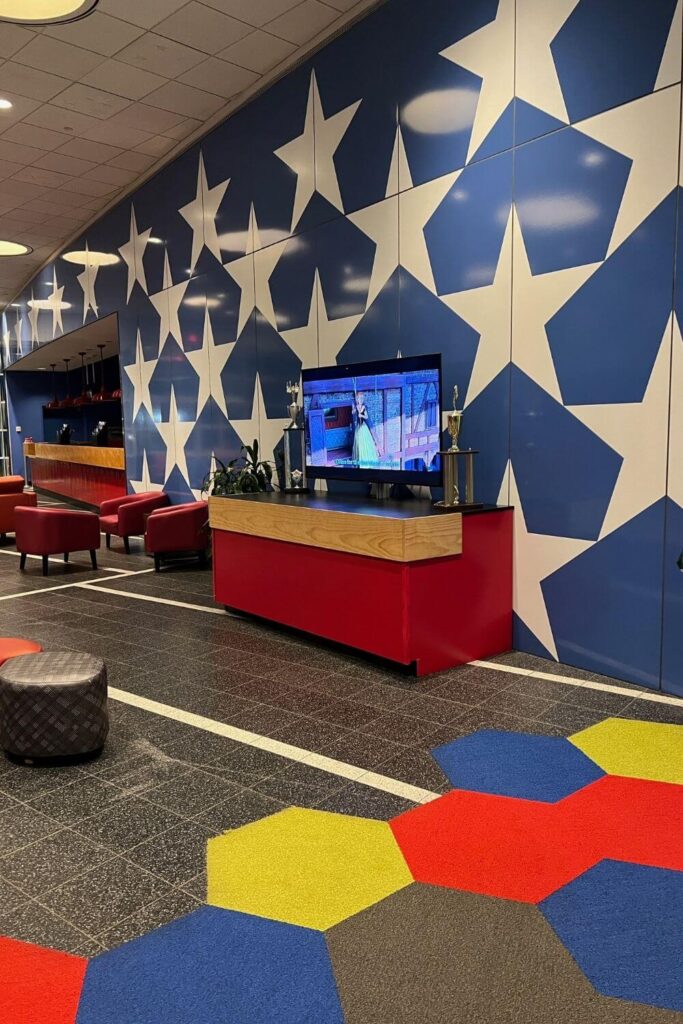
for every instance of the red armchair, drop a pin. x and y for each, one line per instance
(8, 504)
(125, 517)
(11, 484)
(179, 529)
(51, 531)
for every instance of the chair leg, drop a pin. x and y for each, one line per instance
(3, 538)
(157, 563)
(202, 559)
(108, 539)
(45, 566)
(66, 556)
(126, 545)
(93, 558)
(22, 561)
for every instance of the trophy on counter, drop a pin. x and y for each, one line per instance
(294, 445)
(451, 467)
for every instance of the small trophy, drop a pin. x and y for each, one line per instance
(293, 408)
(451, 468)
(294, 445)
(455, 422)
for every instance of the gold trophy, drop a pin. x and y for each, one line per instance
(449, 460)
(455, 422)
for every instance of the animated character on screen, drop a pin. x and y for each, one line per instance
(364, 447)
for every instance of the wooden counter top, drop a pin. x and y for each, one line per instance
(81, 455)
(394, 531)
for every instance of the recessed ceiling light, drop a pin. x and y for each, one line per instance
(89, 258)
(47, 304)
(5, 104)
(13, 248)
(156, 241)
(44, 12)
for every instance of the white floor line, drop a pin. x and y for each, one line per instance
(587, 684)
(154, 600)
(60, 561)
(68, 586)
(274, 746)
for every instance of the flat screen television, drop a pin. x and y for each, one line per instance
(377, 422)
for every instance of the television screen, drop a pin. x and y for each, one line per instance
(374, 421)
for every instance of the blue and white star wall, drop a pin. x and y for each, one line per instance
(495, 179)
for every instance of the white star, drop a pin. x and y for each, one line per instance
(18, 324)
(141, 486)
(6, 343)
(489, 53)
(174, 435)
(167, 304)
(56, 305)
(140, 373)
(380, 223)
(399, 177)
(536, 300)
(536, 556)
(675, 487)
(132, 253)
(538, 22)
(332, 334)
(670, 67)
(311, 154)
(638, 432)
(250, 428)
(201, 214)
(252, 273)
(86, 279)
(33, 314)
(487, 310)
(208, 363)
(416, 206)
(641, 131)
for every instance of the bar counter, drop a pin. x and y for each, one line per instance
(85, 475)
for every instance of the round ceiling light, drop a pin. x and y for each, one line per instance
(13, 248)
(44, 12)
(90, 258)
(47, 304)
(5, 104)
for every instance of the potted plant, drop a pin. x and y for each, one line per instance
(247, 474)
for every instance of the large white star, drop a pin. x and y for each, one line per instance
(638, 432)
(538, 22)
(140, 373)
(132, 253)
(416, 207)
(167, 304)
(641, 131)
(535, 557)
(311, 154)
(380, 223)
(489, 53)
(208, 363)
(332, 334)
(487, 310)
(399, 177)
(56, 304)
(252, 274)
(248, 429)
(536, 299)
(18, 324)
(201, 214)
(675, 484)
(86, 279)
(141, 486)
(174, 435)
(670, 67)
(6, 343)
(33, 314)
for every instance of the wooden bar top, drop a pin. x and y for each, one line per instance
(408, 531)
(81, 455)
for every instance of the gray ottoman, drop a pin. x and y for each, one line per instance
(53, 706)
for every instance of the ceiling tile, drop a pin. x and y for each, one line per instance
(160, 55)
(31, 135)
(93, 102)
(12, 38)
(183, 99)
(84, 149)
(253, 13)
(219, 77)
(84, 186)
(21, 106)
(112, 175)
(20, 188)
(259, 51)
(202, 27)
(116, 135)
(38, 175)
(158, 145)
(61, 58)
(30, 82)
(132, 161)
(147, 119)
(7, 203)
(61, 199)
(98, 32)
(28, 216)
(123, 79)
(59, 119)
(8, 168)
(64, 164)
(145, 14)
(65, 221)
(21, 154)
(342, 5)
(303, 22)
(184, 129)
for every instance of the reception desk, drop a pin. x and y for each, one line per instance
(399, 580)
(83, 474)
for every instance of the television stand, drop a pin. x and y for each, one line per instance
(395, 579)
(380, 492)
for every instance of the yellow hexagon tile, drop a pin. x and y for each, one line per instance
(639, 750)
(305, 867)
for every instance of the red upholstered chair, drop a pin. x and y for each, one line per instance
(54, 531)
(11, 484)
(8, 503)
(179, 529)
(125, 517)
(14, 646)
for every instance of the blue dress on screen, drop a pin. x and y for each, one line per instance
(364, 447)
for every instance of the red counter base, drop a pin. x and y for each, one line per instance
(87, 485)
(431, 615)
